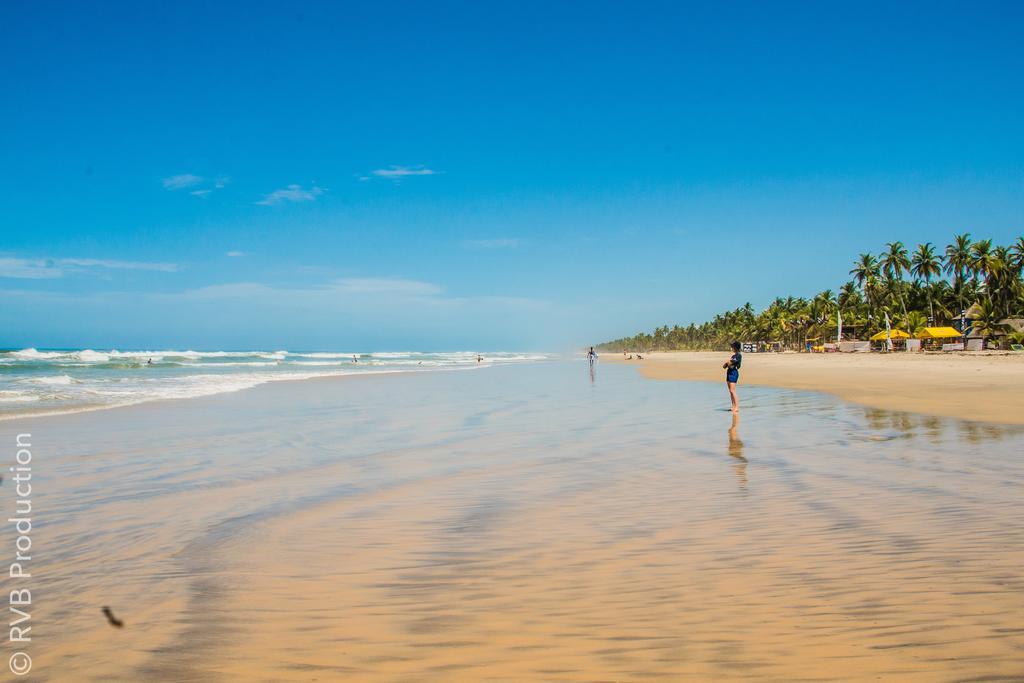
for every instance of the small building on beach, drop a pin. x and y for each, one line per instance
(1011, 325)
(899, 338)
(945, 338)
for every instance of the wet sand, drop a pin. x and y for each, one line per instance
(972, 386)
(528, 523)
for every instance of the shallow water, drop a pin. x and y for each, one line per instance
(523, 523)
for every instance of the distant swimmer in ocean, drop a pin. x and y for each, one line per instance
(149, 362)
(732, 374)
(479, 359)
(354, 359)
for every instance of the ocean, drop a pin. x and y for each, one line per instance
(44, 382)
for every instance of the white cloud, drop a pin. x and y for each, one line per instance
(252, 291)
(399, 172)
(28, 269)
(385, 285)
(235, 254)
(38, 269)
(120, 265)
(180, 182)
(499, 243)
(203, 186)
(292, 193)
(330, 293)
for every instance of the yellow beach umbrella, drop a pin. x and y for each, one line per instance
(894, 334)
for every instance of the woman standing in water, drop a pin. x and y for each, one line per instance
(732, 374)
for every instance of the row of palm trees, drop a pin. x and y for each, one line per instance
(914, 289)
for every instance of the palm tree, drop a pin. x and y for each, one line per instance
(1018, 254)
(958, 261)
(988, 321)
(895, 261)
(916, 322)
(924, 266)
(981, 259)
(941, 295)
(865, 272)
(822, 312)
(1001, 279)
(847, 302)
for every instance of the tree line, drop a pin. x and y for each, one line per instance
(926, 287)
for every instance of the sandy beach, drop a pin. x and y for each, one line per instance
(984, 387)
(522, 523)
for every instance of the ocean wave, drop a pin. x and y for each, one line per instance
(85, 355)
(7, 396)
(320, 363)
(55, 380)
(35, 354)
(190, 354)
(224, 354)
(229, 364)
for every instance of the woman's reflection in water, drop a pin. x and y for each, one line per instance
(736, 451)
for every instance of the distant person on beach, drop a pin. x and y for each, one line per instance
(732, 374)
(592, 355)
(479, 359)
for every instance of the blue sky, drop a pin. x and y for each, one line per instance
(480, 176)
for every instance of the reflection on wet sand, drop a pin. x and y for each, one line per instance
(736, 451)
(938, 429)
(519, 524)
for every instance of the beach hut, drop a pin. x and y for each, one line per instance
(1010, 326)
(946, 338)
(898, 338)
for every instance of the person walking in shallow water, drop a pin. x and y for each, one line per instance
(732, 375)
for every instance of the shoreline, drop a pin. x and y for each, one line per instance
(982, 388)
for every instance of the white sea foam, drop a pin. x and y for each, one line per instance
(90, 356)
(33, 354)
(230, 364)
(333, 363)
(7, 396)
(55, 380)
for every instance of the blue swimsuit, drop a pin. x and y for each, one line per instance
(732, 373)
